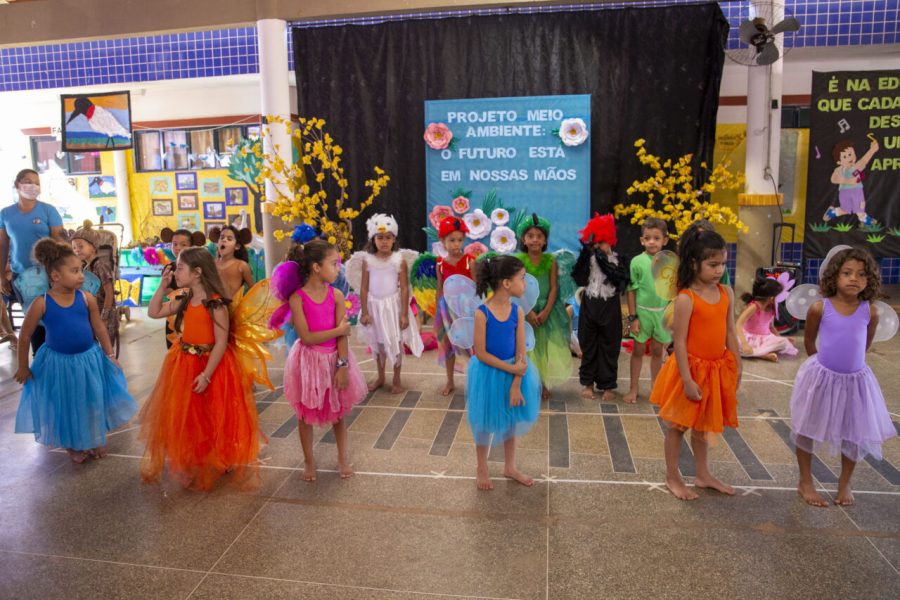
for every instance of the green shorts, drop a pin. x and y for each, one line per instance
(652, 327)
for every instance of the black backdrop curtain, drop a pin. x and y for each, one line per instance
(652, 73)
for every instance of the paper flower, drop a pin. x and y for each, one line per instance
(351, 302)
(500, 216)
(438, 214)
(503, 240)
(476, 249)
(478, 223)
(573, 132)
(460, 205)
(438, 249)
(438, 136)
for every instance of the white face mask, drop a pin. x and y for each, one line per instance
(29, 191)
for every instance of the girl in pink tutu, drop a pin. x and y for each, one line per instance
(756, 332)
(321, 378)
(837, 403)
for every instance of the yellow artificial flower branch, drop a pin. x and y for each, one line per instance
(315, 190)
(671, 194)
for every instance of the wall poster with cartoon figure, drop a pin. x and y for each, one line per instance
(853, 192)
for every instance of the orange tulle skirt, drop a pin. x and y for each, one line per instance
(717, 407)
(201, 436)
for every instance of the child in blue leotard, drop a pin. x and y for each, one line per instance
(75, 393)
(503, 388)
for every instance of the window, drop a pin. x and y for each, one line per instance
(48, 154)
(182, 149)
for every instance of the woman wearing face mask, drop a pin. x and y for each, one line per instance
(21, 226)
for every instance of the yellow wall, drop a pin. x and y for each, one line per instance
(731, 144)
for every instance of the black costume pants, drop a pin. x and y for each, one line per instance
(600, 336)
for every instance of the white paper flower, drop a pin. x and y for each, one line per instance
(437, 248)
(478, 223)
(500, 216)
(503, 240)
(573, 132)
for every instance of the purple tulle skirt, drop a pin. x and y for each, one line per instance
(309, 385)
(839, 412)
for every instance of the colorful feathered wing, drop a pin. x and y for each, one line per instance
(250, 315)
(423, 281)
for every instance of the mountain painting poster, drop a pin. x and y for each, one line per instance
(96, 122)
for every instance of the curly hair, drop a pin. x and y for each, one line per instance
(51, 253)
(828, 280)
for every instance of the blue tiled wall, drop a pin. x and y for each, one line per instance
(234, 51)
(793, 253)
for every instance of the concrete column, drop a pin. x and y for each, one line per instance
(760, 206)
(123, 195)
(276, 101)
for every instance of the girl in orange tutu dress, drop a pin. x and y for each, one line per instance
(200, 418)
(697, 387)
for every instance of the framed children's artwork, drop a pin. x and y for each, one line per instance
(161, 186)
(188, 202)
(236, 196)
(96, 122)
(214, 210)
(189, 221)
(211, 224)
(102, 186)
(107, 214)
(185, 181)
(211, 187)
(162, 208)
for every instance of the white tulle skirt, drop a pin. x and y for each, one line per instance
(383, 334)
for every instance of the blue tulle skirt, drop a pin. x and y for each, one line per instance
(492, 419)
(74, 400)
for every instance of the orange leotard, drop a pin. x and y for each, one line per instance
(713, 367)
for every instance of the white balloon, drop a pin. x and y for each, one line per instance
(888, 323)
(801, 298)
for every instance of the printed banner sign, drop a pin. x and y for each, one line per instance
(525, 155)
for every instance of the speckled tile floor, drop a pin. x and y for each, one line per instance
(411, 524)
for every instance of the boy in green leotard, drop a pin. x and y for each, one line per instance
(646, 307)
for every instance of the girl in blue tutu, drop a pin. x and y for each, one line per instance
(75, 393)
(503, 387)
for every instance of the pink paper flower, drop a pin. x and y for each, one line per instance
(460, 205)
(476, 249)
(438, 136)
(438, 214)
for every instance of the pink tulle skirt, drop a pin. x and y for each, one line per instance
(762, 344)
(309, 385)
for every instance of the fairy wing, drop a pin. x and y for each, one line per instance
(409, 256)
(423, 281)
(801, 299)
(888, 323)
(250, 332)
(355, 267)
(565, 261)
(665, 274)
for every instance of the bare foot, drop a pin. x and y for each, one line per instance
(517, 475)
(98, 452)
(545, 394)
(447, 389)
(608, 396)
(309, 471)
(376, 384)
(77, 456)
(714, 484)
(630, 397)
(396, 387)
(809, 494)
(679, 489)
(844, 497)
(771, 357)
(345, 469)
(483, 480)
(587, 392)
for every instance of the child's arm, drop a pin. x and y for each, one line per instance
(741, 322)
(313, 338)
(873, 325)
(98, 326)
(684, 306)
(404, 295)
(515, 389)
(811, 328)
(247, 275)
(864, 161)
(34, 315)
(731, 341)
(220, 329)
(552, 296)
(481, 345)
(439, 291)
(630, 298)
(157, 309)
(343, 344)
(364, 297)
